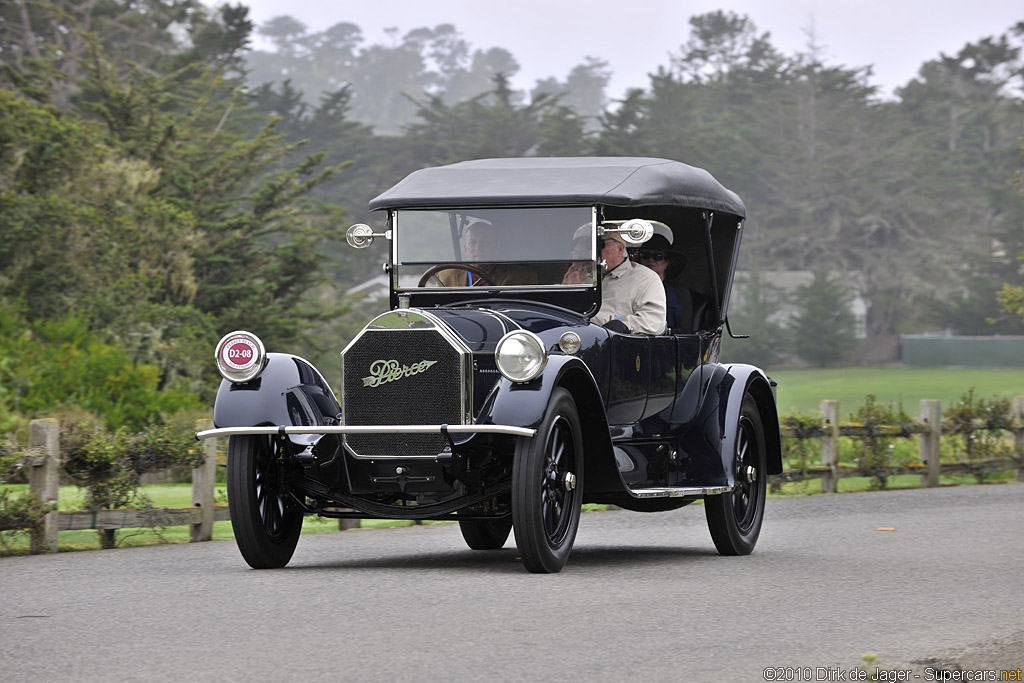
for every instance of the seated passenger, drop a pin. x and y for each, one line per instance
(632, 296)
(482, 245)
(658, 255)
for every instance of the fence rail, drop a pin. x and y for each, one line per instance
(929, 426)
(44, 468)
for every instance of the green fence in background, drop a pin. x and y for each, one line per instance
(924, 351)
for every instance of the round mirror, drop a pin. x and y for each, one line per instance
(359, 236)
(636, 230)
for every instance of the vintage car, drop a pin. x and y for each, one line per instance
(487, 396)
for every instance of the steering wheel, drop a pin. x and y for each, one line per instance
(433, 271)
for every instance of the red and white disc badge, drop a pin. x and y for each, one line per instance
(239, 353)
(240, 356)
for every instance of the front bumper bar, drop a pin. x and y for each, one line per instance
(369, 429)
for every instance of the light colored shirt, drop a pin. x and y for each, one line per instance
(635, 294)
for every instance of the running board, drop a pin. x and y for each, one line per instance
(679, 491)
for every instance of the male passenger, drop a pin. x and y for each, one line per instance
(632, 296)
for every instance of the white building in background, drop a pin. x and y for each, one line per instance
(374, 288)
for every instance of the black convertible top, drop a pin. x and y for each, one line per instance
(561, 181)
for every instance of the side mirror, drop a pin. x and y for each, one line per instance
(635, 231)
(360, 236)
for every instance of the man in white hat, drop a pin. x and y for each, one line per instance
(632, 296)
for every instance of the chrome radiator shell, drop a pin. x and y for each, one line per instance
(405, 367)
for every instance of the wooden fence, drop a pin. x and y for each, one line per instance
(45, 469)
(929, 426)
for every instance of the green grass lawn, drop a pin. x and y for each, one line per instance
(801, 390)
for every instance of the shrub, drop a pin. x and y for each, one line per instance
(799, 451)
(108, 465)
(49, 365)
(873, 452)
(978, 428)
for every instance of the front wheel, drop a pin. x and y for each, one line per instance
(734, 518)
(547, 487)
(265, 521)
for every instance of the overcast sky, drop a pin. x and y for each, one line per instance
(549, 37)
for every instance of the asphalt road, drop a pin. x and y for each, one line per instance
(644, 597)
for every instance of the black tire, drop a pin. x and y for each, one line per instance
(266, 523)
(485, 534)
(545, 500)
(734, 518)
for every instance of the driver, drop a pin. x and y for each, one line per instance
(481, 246)
(632, 296)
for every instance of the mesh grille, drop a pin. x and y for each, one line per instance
(430, 396)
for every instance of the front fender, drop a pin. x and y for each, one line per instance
(523, 405)
(289, 391)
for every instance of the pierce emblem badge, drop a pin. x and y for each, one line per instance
(384, 371)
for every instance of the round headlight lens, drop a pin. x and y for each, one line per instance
(240, 356)
(520, 356)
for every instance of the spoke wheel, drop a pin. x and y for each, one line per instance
(734, 518)
(265, 521)
(485, 534)
(547, 487)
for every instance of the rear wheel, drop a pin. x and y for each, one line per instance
(547, 487)
(265, 520)
(485, 534)
(734, 518)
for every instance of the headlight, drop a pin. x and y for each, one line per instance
(240, 356)
(520, 356)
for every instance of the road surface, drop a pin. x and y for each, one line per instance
(644, 597)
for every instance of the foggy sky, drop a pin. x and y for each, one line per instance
(549, 37)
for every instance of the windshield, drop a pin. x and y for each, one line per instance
(526, 247)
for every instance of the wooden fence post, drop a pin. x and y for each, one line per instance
(931, 414)
(1018, 436)
(44, 482)
(830, 445)
(204, 480)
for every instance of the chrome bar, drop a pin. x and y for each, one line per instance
(369, 429)
(676, 492)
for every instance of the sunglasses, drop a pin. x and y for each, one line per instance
(655, 256)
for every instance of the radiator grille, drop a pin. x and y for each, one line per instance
(402, 377)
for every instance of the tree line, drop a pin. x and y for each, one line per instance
(162, 183)
(913, 199)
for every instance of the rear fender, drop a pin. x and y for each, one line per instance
(710, 440)
(753, 381)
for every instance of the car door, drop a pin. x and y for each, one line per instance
(629, 377)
